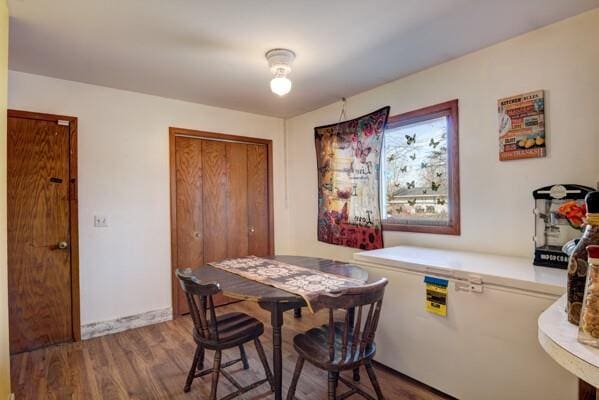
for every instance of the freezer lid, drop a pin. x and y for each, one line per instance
(513, 272)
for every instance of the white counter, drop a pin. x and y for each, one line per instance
(558, 338)
(514, 272)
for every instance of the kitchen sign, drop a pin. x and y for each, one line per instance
(522, 126)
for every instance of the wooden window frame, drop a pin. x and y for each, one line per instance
(448, 109)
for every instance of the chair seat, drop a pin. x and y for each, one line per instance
(233, 329)
(313, 346)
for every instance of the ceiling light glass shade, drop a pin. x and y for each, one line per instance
(280, 85)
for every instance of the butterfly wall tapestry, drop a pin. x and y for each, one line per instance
(348, 159)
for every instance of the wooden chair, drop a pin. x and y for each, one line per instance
(218, 333)
(341, 346)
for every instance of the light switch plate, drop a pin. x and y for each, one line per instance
(100, 221)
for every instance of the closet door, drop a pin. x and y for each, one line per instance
(214, 200)
(188, 212)
(220, 204)
(237, 200)
(257, 161)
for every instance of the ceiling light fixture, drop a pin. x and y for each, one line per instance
(279, 61)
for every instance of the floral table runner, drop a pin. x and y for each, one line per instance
(305, 282)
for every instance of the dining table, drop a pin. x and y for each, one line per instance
(277, 301)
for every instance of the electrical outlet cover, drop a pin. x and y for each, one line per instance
(100, 221)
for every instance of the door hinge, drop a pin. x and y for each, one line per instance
(473, 284)
(476, 284)
(63, 122)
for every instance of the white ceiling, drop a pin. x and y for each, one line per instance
(212, 52)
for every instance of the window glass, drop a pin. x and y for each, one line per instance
(415, 173)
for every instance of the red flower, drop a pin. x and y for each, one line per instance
(574, 212)
(368, 130)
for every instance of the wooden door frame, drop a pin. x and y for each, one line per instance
(73, 209)
(173, 133)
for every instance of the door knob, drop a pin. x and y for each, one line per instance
(63, 245)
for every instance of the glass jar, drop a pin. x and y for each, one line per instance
(577, 264)
(588, 329)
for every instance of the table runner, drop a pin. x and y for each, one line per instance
(305, 282)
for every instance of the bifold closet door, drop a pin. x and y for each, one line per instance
(214, 200)
(258, 218)
(222, 203)
(237, 200)
(188, 211)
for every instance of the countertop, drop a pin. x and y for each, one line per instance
(558, 338)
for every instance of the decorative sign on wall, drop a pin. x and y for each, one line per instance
(348, 159)
(522, 126)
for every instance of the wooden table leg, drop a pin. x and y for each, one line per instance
(586, 391)
(276, 319)
(297, 313)
(351, 316)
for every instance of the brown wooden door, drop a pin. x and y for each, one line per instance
(39, 258)
(258, 198)
(221, 206)
(188, 215)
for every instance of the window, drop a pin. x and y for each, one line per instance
(420, 171)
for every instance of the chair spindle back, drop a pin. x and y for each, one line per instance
(357, 335)
(201, 303)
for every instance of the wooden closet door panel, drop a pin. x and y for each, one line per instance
(226, 192)
(237, 200)
(190, 224)
(214, 165)
(257, 167)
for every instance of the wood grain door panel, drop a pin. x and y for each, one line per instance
(259, 238)
(237, 200)
(39, 273)
(214, 164)
(220, 201)
(190, 222)
(215, 183)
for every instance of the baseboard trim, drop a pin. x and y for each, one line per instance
(102, 328)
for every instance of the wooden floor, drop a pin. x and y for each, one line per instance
(152, 362)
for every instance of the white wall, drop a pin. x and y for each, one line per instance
(496, 200)
(124, 175)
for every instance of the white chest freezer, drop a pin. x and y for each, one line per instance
(486, 348)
